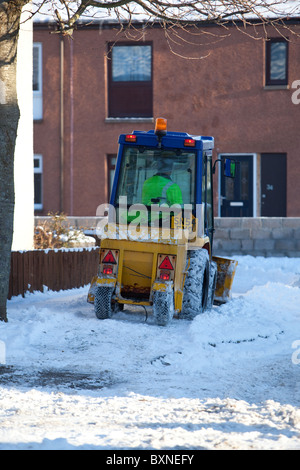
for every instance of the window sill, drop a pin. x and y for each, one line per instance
(128, 119)
(276, 87)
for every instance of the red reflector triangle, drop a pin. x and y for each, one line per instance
(166, 264)
(109, 258)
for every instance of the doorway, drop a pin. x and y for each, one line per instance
(273, 184)
(237, 197)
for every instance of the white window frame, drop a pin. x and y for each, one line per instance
(39, 170)
(38, 94)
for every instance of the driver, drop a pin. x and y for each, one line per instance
(160, 189)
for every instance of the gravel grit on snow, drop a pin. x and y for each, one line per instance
(229, 379)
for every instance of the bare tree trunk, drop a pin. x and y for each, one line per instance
(10, 12)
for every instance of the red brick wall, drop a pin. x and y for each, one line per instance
(221, 95)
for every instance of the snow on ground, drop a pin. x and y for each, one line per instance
(229, 379)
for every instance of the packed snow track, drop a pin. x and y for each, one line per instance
(229, 379)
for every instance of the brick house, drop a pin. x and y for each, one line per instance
(245, 92)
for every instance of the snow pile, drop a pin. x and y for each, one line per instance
(229, 379)
(76, 238)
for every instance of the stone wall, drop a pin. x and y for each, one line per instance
(261, 236)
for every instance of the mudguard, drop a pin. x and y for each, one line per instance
(99, 281)
(226, 272)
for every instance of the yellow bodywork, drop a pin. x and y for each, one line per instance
(226, 273)
(137, 278)
(137, 271)
(137, 263)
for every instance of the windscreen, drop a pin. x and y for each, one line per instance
(157, 176)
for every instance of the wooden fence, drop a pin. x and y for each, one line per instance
(55, 269)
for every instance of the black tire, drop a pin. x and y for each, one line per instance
(102, 302)
(163, 307)
(195, 291)
(213, 274)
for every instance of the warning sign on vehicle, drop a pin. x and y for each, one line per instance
(109, 258)
(166, 264)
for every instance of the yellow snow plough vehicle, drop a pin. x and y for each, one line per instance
(157, 241)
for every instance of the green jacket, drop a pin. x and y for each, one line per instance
(160, 189)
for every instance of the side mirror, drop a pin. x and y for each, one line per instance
(230, 168)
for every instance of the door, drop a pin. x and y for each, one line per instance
(236, 196)
(273, 184)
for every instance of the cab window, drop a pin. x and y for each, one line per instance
(140, 163)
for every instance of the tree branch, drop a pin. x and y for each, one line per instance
(183, 14)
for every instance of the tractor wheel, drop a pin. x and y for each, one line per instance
(213, 273)
(163, 307)
(195, 292)
(102, 302)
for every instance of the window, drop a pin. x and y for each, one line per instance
(38, 172)
(131, 63)
(130, 80)
(37, 82)
(276, 62)
(140, 164)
